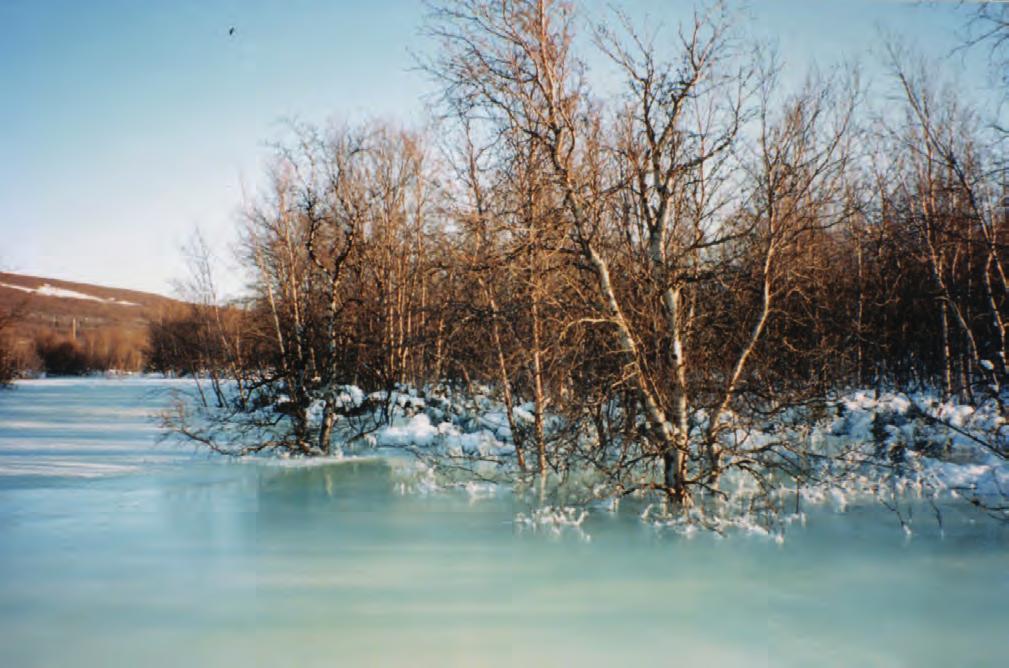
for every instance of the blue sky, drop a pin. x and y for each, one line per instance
(125, 124)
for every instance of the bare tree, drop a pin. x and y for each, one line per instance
(642, 193)
(8, 354)
(650, 283)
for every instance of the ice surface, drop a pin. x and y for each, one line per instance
(164, 557)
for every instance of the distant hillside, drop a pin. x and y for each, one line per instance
(109, 324)
(50, 301)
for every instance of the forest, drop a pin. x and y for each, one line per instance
(659, 285)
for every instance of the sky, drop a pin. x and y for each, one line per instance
(127, 124)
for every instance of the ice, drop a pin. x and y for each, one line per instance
(377, 559)
(91, 427)
(61, 467)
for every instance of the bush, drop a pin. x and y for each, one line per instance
(62, 357)
(8, 362)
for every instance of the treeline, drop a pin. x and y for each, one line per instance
(100, 349)
(50, 351)
(660, 269)
(34, 341)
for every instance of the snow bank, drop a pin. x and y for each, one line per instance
(941, 445)
(877, 445)
(861, 447)
(418, 431)
(444, 428)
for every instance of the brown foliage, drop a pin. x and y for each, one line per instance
(662, 273)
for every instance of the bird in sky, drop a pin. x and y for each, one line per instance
(231, 31)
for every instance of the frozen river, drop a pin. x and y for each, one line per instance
(118, 551)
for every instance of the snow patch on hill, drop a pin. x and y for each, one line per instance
(46, 290)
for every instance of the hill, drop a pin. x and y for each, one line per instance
(109, 325)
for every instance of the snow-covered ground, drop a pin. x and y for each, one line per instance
(889, 445)
(944, 446)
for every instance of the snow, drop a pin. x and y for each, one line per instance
(418, 431)
(864, 433)
(47, 290)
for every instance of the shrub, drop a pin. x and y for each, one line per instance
(62, 357)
